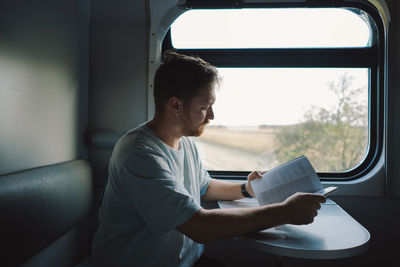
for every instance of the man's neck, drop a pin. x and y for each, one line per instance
(166, 131)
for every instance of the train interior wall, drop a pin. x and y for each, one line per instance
(72, 69)
(44, 82)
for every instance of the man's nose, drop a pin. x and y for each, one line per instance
(210, 113)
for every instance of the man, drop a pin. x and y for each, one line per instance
(151, 213)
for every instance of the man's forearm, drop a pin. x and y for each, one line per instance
(211, 225)
(223, 190)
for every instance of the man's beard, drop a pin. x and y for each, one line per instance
(190, 130)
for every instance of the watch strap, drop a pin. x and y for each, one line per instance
(244, 191)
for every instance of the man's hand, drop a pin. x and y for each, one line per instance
(302, 207)
(253, 175)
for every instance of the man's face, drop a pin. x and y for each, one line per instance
(198, 112)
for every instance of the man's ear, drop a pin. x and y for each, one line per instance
(175, 105)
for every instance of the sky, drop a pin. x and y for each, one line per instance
(273, 96)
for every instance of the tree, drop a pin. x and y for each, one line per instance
(333, 140)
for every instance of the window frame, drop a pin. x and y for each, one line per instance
(365, 57)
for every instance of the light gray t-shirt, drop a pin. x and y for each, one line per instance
(151, 190)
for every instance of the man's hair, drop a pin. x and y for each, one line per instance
(181, 76)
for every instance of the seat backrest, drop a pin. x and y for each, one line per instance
(40, 212)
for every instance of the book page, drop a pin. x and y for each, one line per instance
(283, 181)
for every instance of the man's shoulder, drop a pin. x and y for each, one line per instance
(137, 152)
(136, 142)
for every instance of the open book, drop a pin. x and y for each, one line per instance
(283, 181)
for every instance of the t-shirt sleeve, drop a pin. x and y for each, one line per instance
(149, 185)
(204, 181)
(204, 177)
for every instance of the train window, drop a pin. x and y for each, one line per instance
(296, 81)
(270, 28)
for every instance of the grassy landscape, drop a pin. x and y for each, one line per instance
(254, 141)
(238, 149)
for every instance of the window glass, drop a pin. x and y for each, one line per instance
(270, 28)
(267, 116)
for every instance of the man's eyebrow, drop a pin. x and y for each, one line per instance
(208, 102)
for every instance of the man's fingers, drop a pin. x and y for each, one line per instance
(317, 206)
(321, 199)
(255, 174)
(317, 197)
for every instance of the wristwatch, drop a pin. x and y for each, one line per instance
(244, 191)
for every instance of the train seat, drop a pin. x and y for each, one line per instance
(44, 215)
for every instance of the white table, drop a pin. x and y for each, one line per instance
(334, 234)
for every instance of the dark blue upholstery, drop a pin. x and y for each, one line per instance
(44, 210)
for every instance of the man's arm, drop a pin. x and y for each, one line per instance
(224, 190)
(211, 225)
